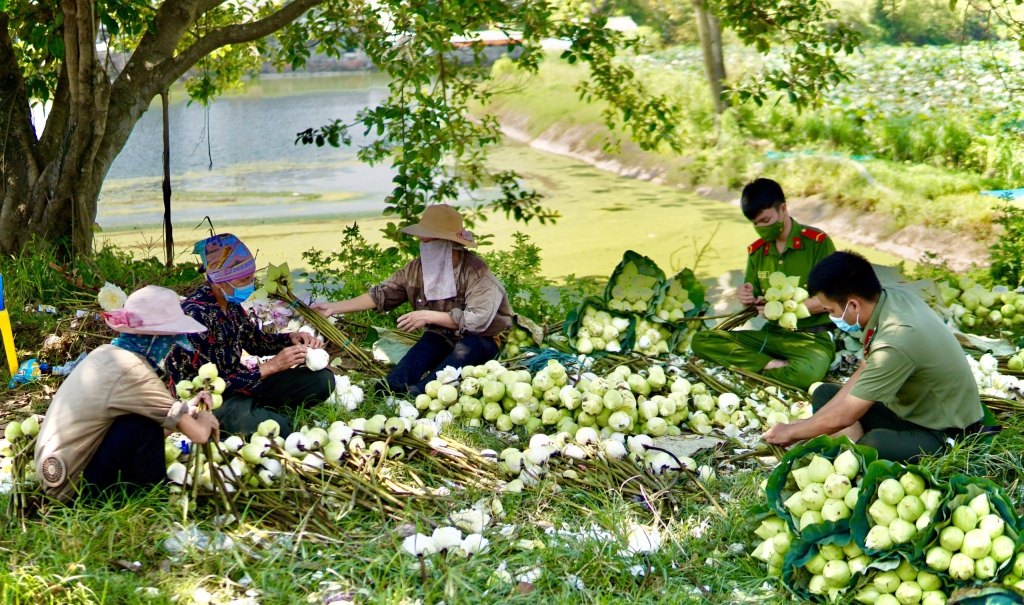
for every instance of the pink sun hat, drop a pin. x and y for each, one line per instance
(152, 310)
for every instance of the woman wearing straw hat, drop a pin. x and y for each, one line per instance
(106, 424)
(456, 299)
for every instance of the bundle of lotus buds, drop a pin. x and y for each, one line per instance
(207, 381)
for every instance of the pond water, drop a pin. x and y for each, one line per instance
(284, 199)
(238, 157)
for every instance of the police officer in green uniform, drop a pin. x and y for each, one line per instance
(913, 392)
(799, 358)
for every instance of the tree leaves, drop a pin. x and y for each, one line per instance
(433, 128)
(810, 34)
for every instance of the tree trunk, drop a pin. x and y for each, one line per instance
(709, 28)
(50, 184)
(715, 31)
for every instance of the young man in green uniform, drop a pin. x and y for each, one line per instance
(914, 390)
(799, 358)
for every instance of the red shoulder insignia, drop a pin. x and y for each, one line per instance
(812, 233)
(752, 248)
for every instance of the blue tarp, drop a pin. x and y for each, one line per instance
(1006, 194)
(779, 155)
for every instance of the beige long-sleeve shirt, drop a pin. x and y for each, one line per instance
(480, 308)
(110, 382)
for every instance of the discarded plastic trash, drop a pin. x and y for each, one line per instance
(32, 369)
(65, 369)
(191, 537)
(29, 371)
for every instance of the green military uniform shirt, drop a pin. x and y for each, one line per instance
(809, 354)
(805, 246)
(915, 366)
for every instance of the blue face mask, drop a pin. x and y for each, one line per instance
(841, 321)
(240, 295)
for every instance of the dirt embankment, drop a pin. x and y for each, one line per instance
(875, 230)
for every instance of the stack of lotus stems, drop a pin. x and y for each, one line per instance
(279, 283)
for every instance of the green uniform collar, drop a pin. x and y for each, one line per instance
(872, 324)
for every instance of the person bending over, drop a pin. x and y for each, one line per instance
(107, 422)
(251, 396)
(456, 299)
(914, 390)
(798, 358)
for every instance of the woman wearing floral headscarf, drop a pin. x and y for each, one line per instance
(106, 424)
(459, 303)
(251, 395)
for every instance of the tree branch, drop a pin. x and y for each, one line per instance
(170, 23)
(235, 34)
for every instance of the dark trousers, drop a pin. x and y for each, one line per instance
(131, 456)
(433, 353)
(893, 437)
(279, 393)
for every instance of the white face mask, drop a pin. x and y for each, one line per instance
(438, 272)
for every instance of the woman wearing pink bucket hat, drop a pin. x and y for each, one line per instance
(456, 299)
(106, 424)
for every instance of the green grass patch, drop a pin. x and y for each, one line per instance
(929, 165)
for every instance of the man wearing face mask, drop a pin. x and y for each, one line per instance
(251, 396)
(799, 358)
(456, 299)
(914, 390)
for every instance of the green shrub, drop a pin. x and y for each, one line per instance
(529, 292)
(351, 270)
(1007, 254)
(39, 278)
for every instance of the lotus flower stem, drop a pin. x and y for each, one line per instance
(737, 319)
(330, 332)
(767, 380)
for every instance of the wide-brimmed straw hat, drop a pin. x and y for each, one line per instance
(152, 310)
(443, 222)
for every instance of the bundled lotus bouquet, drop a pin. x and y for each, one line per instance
(785, 300)
(891, 534)
(206, 381)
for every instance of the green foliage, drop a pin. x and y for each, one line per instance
(356, 266)
(529, 292)
(921, 22)
(40, 278)
(1007, 254)
(351, 270)
(811, 38)
(672, 20)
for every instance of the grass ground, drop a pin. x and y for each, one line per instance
(602, 216)
(112, 551)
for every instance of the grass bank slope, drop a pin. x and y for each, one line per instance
(867, 150)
